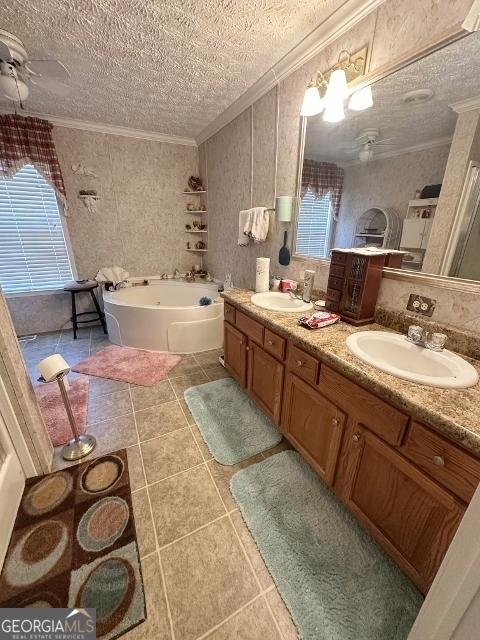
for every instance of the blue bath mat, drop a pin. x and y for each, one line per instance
(231, 425)
(334, 578)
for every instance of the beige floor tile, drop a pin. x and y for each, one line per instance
(253, 553)
(208, 357)
(135, 468)
(186, 410)
(166, 455)
(144, 397)
(252, 623)
(143, 522)
(83, 333)
(281, 615)
(102, 386)
(201, 442)
(284, 445)
(183, 503)
(159, 420)
(185, 382)
(109, 406)
(216, 371)
(187, 365)
(222, 474)
(156, 626)
(207, 579)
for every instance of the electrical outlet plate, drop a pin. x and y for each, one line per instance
(421, 304)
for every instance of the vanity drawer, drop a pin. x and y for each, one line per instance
(333, 294)
(338, 258)
(229, 313)
(337, 270)
(451, 466)
(303, 364)
(274, 344)
(251, 328)
(335, 283)
(367, 409)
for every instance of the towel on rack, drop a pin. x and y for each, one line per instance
(260, 222)
(243, 222)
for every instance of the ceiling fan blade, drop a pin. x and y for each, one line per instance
(51, 84)
(5, 53)
(51, 68)
(385, 144)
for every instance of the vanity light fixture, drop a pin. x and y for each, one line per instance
(361, 99)
(312, 102)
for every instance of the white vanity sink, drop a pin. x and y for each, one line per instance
(276, 301)
(394, 354)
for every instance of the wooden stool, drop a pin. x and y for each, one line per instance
(80, 287)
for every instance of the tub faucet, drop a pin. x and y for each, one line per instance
(176, 273)
(190, 276)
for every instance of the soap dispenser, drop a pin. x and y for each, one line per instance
(308, 280)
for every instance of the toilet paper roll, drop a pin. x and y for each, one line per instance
(51, 367)
(262, 275)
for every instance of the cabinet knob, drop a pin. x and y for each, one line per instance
(242, 342)
(299, 363)
(270, 343)
(335, 422)
(439, 461)
(356, 437)
(247, 348)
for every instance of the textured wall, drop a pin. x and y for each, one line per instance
(139, 223)
(386, 183)
(230, 164)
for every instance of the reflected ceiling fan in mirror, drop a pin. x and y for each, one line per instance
(366, 142)
(17, 71)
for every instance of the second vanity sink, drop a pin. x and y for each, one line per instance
(394, 354)
(276, 301)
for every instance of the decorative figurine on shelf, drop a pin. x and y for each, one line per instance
(203, 207)
(188, 245)
(202, 227)
(200, 245)
(188, 227)
(196, 224)
(195, 183)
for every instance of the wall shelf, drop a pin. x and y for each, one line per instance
(197, 250)
(196, 231)
(198, 211)
(192, 193)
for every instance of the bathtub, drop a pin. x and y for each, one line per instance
(165, 316)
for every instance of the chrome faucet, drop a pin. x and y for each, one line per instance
(422, 338)
(190, 276)
(176, 273)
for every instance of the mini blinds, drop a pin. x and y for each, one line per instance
(314, 226)
(33, 252)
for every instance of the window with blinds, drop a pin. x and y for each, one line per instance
(314, 226)
(33, 251)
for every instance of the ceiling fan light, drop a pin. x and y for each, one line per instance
(13, 88)
(361, 100)
(365, 155)
(334, 111)
(312, 102)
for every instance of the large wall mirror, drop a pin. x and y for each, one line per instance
(403, 174)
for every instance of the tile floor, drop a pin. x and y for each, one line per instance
(203, 575)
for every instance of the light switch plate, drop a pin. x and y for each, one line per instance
(421, 304)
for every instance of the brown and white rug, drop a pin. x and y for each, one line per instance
(74, 545)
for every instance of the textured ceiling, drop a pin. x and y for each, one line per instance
(452, 73)
(166, 66)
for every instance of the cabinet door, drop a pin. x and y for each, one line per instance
(314, 425)
(413, 233)
(410, 515)
(265, 381)
(235, 352)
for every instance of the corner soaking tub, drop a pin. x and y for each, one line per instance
(165, 316)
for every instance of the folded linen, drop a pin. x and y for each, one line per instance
(112, 274)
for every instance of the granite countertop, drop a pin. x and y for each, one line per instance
(453, 412)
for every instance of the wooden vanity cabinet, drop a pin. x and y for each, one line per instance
(265, 381)
(235, 353)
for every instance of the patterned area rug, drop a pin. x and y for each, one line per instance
(54, 412)
(74, 545)
(126, 364)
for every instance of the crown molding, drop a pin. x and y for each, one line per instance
(102, 127)
(338, 23)
(438, 142)
(470, 104)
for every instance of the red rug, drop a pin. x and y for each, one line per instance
(54, 413)
(135, 366)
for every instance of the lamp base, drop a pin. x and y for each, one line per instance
(74, 450)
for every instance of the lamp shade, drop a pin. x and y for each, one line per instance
(337, 87)
(283, 208)
(13, 88)
(334, 112)
(312, 102)
(361, 99)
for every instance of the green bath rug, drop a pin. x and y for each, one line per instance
(231, 425)
(334, 578)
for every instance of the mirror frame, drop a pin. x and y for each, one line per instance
(370, 78)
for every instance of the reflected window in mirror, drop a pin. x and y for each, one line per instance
(315, 225)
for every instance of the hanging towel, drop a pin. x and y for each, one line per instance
(112, 274)
(260, 223)
(244, 222)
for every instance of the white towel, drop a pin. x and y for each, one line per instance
(244, 222)
(112, 274)
(260, 223)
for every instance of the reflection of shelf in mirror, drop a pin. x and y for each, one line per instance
(197, 250)
(196, 231)
(192, 193)
(198, 211)
(370, 235)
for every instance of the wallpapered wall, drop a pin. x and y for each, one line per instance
(139, 223)
(242, 170)
(387, 183)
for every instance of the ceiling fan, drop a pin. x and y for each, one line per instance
(366, 142)
(17, 71)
